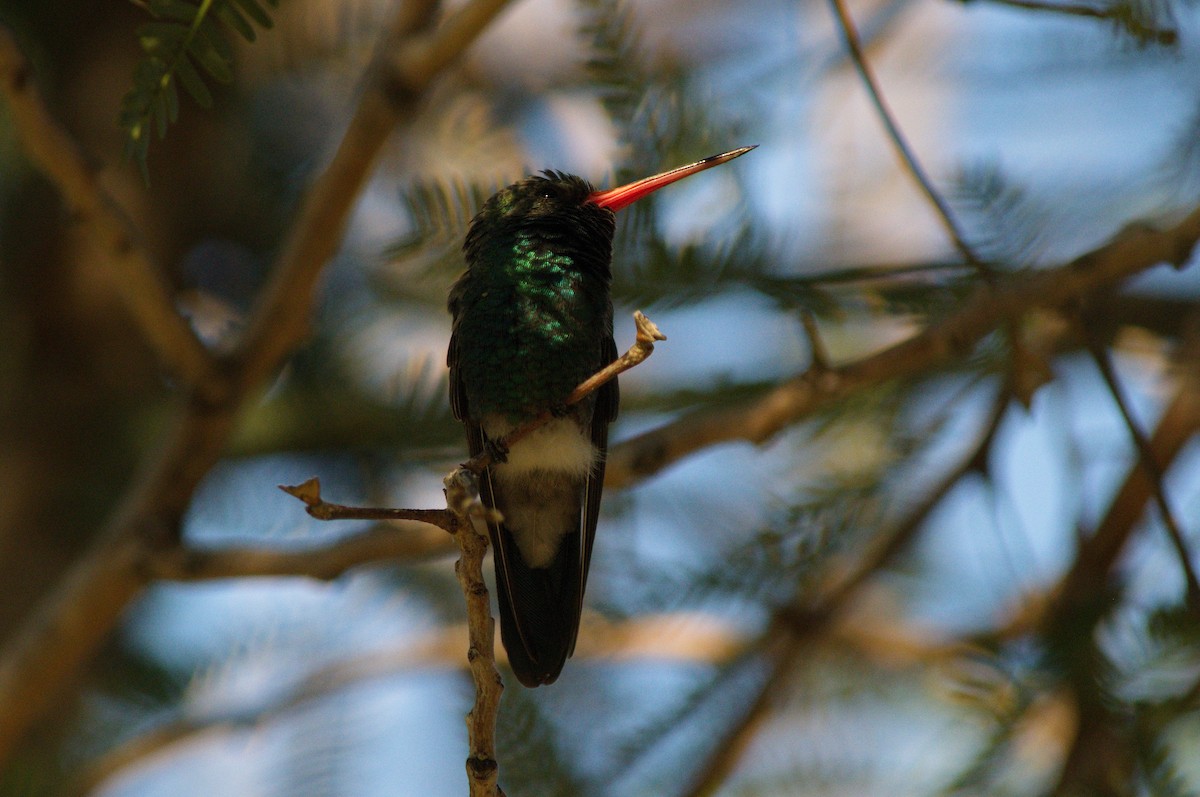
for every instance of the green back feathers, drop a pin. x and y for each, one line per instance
(532, 312)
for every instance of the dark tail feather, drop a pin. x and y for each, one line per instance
(539, 608)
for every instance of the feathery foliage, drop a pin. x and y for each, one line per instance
(1145, 22)
(184, 41)
(1006, 227)
(527, 740)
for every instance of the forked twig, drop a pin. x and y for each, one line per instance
(1150, 465)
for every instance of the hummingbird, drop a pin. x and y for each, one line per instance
(533, 318)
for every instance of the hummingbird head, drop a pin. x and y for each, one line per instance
(561, 212)
(546, 213)
(550, 196)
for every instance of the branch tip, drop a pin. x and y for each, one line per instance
(647, 330)
(308, 491)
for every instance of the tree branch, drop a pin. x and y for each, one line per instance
(409, 542)
(1135, 249)
(139, 282)
(405, 64)
(483, 769)
(903, 149)
(1152, 468)
(1098, 554)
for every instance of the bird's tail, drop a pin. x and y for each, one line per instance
(539, 607)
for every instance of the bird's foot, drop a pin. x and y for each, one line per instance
(496, 450)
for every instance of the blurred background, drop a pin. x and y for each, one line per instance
(708, 662)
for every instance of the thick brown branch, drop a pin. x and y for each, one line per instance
(141, 283)
(395, 82)
(76, 618)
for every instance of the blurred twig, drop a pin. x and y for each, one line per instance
(1149, 463)
(410, 541)
(907, 155)
(1098, 553)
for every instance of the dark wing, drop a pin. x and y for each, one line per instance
(608, 399)
(458, 391)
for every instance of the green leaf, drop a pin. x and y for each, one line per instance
(212, 62)
(183, 41)
(178, 10)
(234, 20)
(193, 83)
(161, 38)
(209, 32)
(162, 106)
(256, 12)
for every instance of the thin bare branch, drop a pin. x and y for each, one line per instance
(1099, 552)
(905, 151)
(310, 493)
(483, 768)
(1150, 464)
(140, 282)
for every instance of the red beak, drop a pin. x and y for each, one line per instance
(616, 198)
